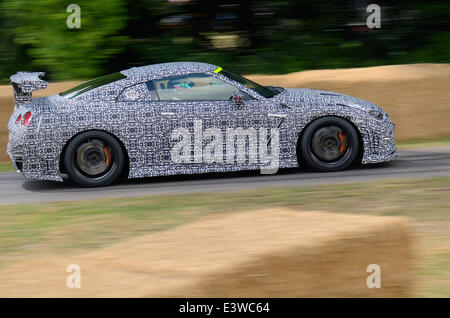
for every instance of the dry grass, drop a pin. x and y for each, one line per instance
(272, 253)
(64, 229)
(416, 96)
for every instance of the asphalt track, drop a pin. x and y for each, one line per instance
(411, 163)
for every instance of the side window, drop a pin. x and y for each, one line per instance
(193, 87)
(144, 92)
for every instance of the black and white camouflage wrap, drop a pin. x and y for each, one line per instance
(25, 83)
(145, 131)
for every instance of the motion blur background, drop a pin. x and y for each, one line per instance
(272, 37)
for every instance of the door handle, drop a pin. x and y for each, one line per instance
(277, 115)
(168, 114)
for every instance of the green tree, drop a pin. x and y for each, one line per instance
(272, 36)
(69, 53)
(11, 54)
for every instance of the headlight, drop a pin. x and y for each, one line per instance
(377, 114)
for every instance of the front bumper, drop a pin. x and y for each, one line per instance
(379, 143)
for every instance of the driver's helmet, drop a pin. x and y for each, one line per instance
(181, 85)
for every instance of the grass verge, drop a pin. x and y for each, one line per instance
(6, 167)
(424, 143)
(68, 227)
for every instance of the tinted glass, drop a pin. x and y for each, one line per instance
(142, 92)
(261, 90)
(193, 87)
(94, 83)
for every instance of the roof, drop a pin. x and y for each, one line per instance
(168, 69)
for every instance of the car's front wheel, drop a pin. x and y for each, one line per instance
(329, 144)
(94, 159)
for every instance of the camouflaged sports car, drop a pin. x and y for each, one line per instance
(186, 118)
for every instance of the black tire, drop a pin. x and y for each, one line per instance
(329, 144)
(94, 159)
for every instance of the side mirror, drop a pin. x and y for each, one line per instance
(238, 98)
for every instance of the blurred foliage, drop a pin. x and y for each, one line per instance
(40, 30)
(247, 36)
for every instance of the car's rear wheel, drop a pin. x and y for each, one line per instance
(329, 144)
(94, 159)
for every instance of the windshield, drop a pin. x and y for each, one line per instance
(261, 90)
(94, 83)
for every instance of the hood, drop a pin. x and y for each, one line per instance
(323, 97)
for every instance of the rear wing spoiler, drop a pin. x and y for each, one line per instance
(24, 83)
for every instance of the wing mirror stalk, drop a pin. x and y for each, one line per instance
(238, 99)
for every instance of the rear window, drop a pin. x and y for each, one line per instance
(94, 83)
